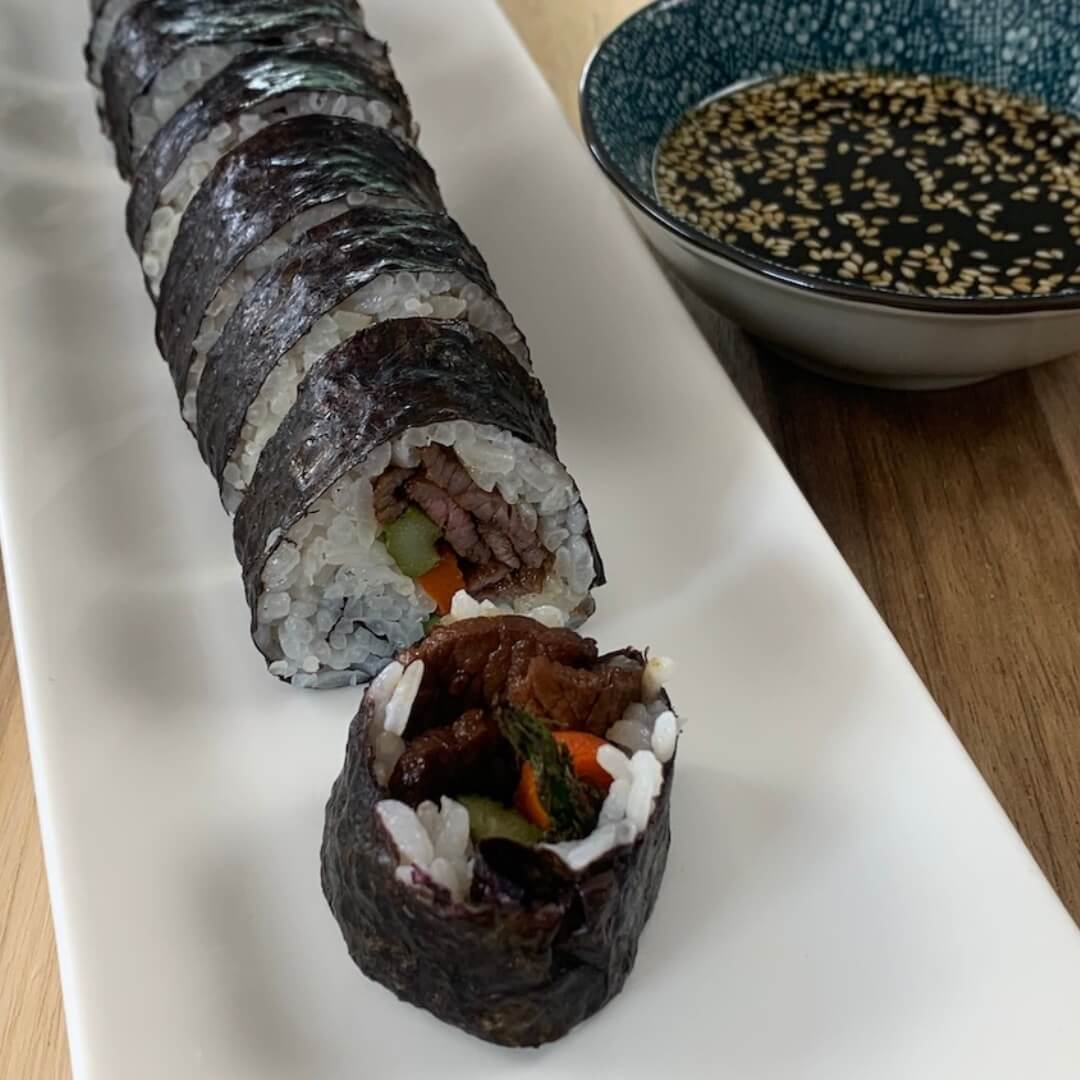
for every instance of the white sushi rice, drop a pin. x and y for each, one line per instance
(647, 727)
(176, 84)
(250, 269)
(463, 606)
(335, 606)
(658, 671)
(389, 296)
(388, 745)
(399, 707)
(432, 844)
(204, 156)
(648, 732)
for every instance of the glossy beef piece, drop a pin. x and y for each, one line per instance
(501, 553)
(578, 699)
(469, 756)
(553, 673)
(458, 528)
(389, 506)
(469, 664)
(501, 524)
(491, 582)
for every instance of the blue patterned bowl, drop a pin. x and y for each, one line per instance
(673, 54)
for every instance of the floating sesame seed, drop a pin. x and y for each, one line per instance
(875, 164)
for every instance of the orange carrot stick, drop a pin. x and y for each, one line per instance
(443, 580)
(582, 748)
(527, 799)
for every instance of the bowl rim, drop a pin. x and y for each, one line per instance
(694, 238)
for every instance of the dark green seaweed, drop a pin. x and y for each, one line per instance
(154, 33)
(570, 803)
(249, 82)
(323, 268)
(544, 950)
(396, 375)
(258, 188)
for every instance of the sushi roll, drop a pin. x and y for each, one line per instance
(497, 838)
(419, 458)
(259, 200)
(253, 92)
(162, 52)
(368, 265)
(359, 390)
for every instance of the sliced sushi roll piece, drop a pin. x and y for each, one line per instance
(364, 267)
(419, 459)
(162, 52)
(492, 849)
(257, 202)
(253, 92)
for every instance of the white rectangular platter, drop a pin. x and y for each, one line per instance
(844, 898)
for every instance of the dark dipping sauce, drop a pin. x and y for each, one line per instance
(911, 184)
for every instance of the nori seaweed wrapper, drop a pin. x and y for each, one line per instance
(396, 375)
(523, 967)
(324, 267)
(247, 83)
(257, 189)
(154, 33)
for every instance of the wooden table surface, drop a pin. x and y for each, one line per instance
(959, 513)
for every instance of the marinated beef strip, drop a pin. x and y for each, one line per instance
(496, 518)
(388, 506)
(477, 667)
(501, 553)
(485, 580)
(469, 664)
(468, 756)
(577, 699)
(459, 529)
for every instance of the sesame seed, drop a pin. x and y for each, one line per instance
(874, 164)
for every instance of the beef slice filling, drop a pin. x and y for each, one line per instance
(476, 667)
(499, 552)
(468, 756)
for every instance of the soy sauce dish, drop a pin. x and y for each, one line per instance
(887, 192)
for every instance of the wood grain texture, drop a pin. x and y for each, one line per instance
(959, 513)
(33, 1044)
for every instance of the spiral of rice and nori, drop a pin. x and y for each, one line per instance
(497, 838)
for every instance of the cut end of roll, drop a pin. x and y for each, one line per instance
(349, 584)
(496, 802)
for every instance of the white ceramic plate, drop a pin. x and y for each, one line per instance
(844, 899)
